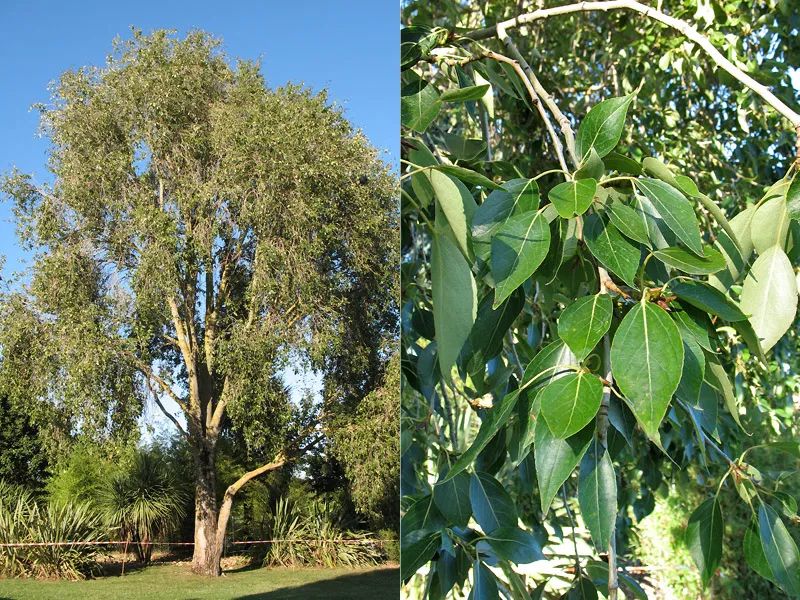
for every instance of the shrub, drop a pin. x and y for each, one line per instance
(23, 520)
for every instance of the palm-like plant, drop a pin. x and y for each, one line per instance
(144, 502)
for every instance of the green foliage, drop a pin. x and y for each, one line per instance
(23, 457)
(664, 375)
(143, 502)
(23, 520)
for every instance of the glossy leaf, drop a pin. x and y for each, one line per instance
(457, 204)
(544, 364)
(419, 104)
(518, 248)
(417, 554)
(597, 495)
(467, 176)
(491, 424)
(628, 222)
(793, 197)
(676, 211)
(602, 127)
(688, 262)
(484, 584)
(707, 298)
(516, 197)
(615, 253)
(515, 544)
(492, 506)
(452, 499)
(619, 162)
(754, 552)
(718, 379)
(779, 549)
(769, 296)
(570, 403)
(454, 299)
(704, 538)
(556, 459)
(647, 361)
(584, 322)
(573, 197)
(463, 94)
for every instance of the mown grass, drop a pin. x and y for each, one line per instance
(175, 582)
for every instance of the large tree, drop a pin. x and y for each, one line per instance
(201, 232)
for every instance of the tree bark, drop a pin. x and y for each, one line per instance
(207, 552)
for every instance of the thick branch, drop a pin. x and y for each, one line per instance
(683, 27)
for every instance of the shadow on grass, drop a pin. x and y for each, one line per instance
(377, 584)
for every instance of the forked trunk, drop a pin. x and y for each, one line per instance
(207, 552)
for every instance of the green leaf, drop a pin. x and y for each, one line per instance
(769, 296)
(492, 506)
(518, 248)
(571, 402)
(704, 538)
(611, 249)
(422, 518)
(417, 554)
(717, 378)
(736, 255)
(556, 459)
(584, 322)
(754, 552)
(793, 197)
(628, 222)
(688, 262)
(454, 300)
(484, 584)
(701, 295)
(491, 424)
(457, 204)
(543, 365)
(659, 170)
(573, 197)
(770, 225)
(461, 148)
(694, 368)
(515, 544)
(602, 127)
(468, 176)
(597, 495)
(516, 197)
(647, 360)
(676, 211)
(619, 162)
(452, 499)
(694, 327)
(486, 338)
(419, 104)
(591, 166)
(472, 92)
(779, 550)
(582, 589)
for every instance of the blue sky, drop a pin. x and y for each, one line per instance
(350, 48)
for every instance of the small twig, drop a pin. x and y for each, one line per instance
(572, 524)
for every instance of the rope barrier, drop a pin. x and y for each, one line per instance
(121, 543)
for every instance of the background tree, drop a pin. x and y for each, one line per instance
(525, 288)
(202, 232)
(23, 459)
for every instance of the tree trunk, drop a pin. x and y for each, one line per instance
(207, 552)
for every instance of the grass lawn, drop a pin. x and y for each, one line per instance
(174, 581)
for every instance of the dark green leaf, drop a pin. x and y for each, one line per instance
(688, 262)
(573, 197)
(468, 176)
(675, 209)
(454, 300)
(419, 104)
(704, 538)
(754, 552)
(611, 249)
(491, 424)
(484, 584)
(793, 197)
(602, 127)
(709, 299)
(518, 248)
(515, 544)
(619, 162)
(584, 322)
(556, 459)
(591, 166)
(456, 203)
(547, 361)
(779, 550)
(473, 92)
(517, 196)
(597, 495)
(461, 148)
(417, 554)
(452, 499)
(647, 360)
(492, 506)
(629, 223)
